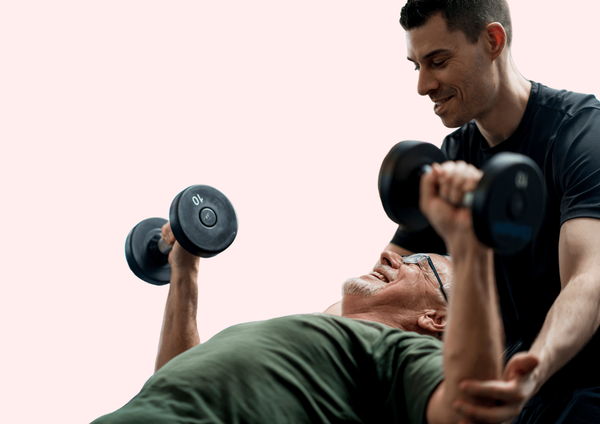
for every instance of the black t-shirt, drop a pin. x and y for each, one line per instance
(560, 131)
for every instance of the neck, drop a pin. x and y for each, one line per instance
(390, 322)
(388, 315)
(509, 104)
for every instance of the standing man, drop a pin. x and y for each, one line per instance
(550, 292)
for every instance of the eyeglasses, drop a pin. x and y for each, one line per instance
(419, 257)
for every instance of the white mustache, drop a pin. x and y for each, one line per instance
(390, 271)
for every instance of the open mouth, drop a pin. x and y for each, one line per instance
(439, 104)
(442, 101)
(380, 276)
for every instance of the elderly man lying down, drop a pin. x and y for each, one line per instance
(381, 361)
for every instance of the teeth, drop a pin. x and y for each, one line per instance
(380, 276)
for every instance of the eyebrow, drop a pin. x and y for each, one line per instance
(431, 54)
(425, 269)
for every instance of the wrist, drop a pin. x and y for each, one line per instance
(184, 276)
(544, 370)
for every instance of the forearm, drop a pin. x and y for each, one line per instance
(474, 338)
(574, 316)
(179, 329)
(569, 325)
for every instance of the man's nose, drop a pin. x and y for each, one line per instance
(390, 258)
(427, 82)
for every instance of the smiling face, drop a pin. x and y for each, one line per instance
(455, 73)
(402, 285)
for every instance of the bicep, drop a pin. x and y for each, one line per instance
(414, 369)
(575, 171)
(579, 249)
(439, 411)
(435, 405)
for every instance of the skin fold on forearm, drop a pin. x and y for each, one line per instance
(179, 329)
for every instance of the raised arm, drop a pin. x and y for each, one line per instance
(473, 341)
(179, 329)
(571, 322)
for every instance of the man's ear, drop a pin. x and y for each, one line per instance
(496, 39)
(432, 322)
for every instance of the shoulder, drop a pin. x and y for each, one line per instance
(567, 103)
(572, 120)
(370, 330)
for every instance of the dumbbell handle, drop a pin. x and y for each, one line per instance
(467, 199)
(164, 247)
(159, 248)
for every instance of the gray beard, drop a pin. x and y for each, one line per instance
(359, 287)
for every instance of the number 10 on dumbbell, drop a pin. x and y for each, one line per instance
(203, 222)
(507, 206)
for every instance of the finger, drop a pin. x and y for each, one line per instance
(446, 179)
(504, 391)
(486, 414)
(439, 170)
(456, 181)
(520, 365)
(472, 178)
(464, 179)
(167, 234)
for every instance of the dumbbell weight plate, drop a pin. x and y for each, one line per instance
(152, 269)
(399, 179)
(509, 202)
(203, 220)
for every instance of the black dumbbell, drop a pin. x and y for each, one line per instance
(507, 206)
(203, 221)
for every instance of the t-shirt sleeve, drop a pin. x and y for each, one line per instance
(414, 368)
(577, 165)
(424, 241)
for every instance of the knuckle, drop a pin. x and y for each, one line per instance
(448, 166)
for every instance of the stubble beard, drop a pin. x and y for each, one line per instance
(479, 92)
(359, 287)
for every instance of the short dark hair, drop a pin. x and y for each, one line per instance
(469, 16)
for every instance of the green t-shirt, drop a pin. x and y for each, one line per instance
(294, 369)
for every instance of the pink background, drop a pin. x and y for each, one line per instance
(109, 109)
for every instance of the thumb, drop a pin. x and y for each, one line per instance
(519, 365)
